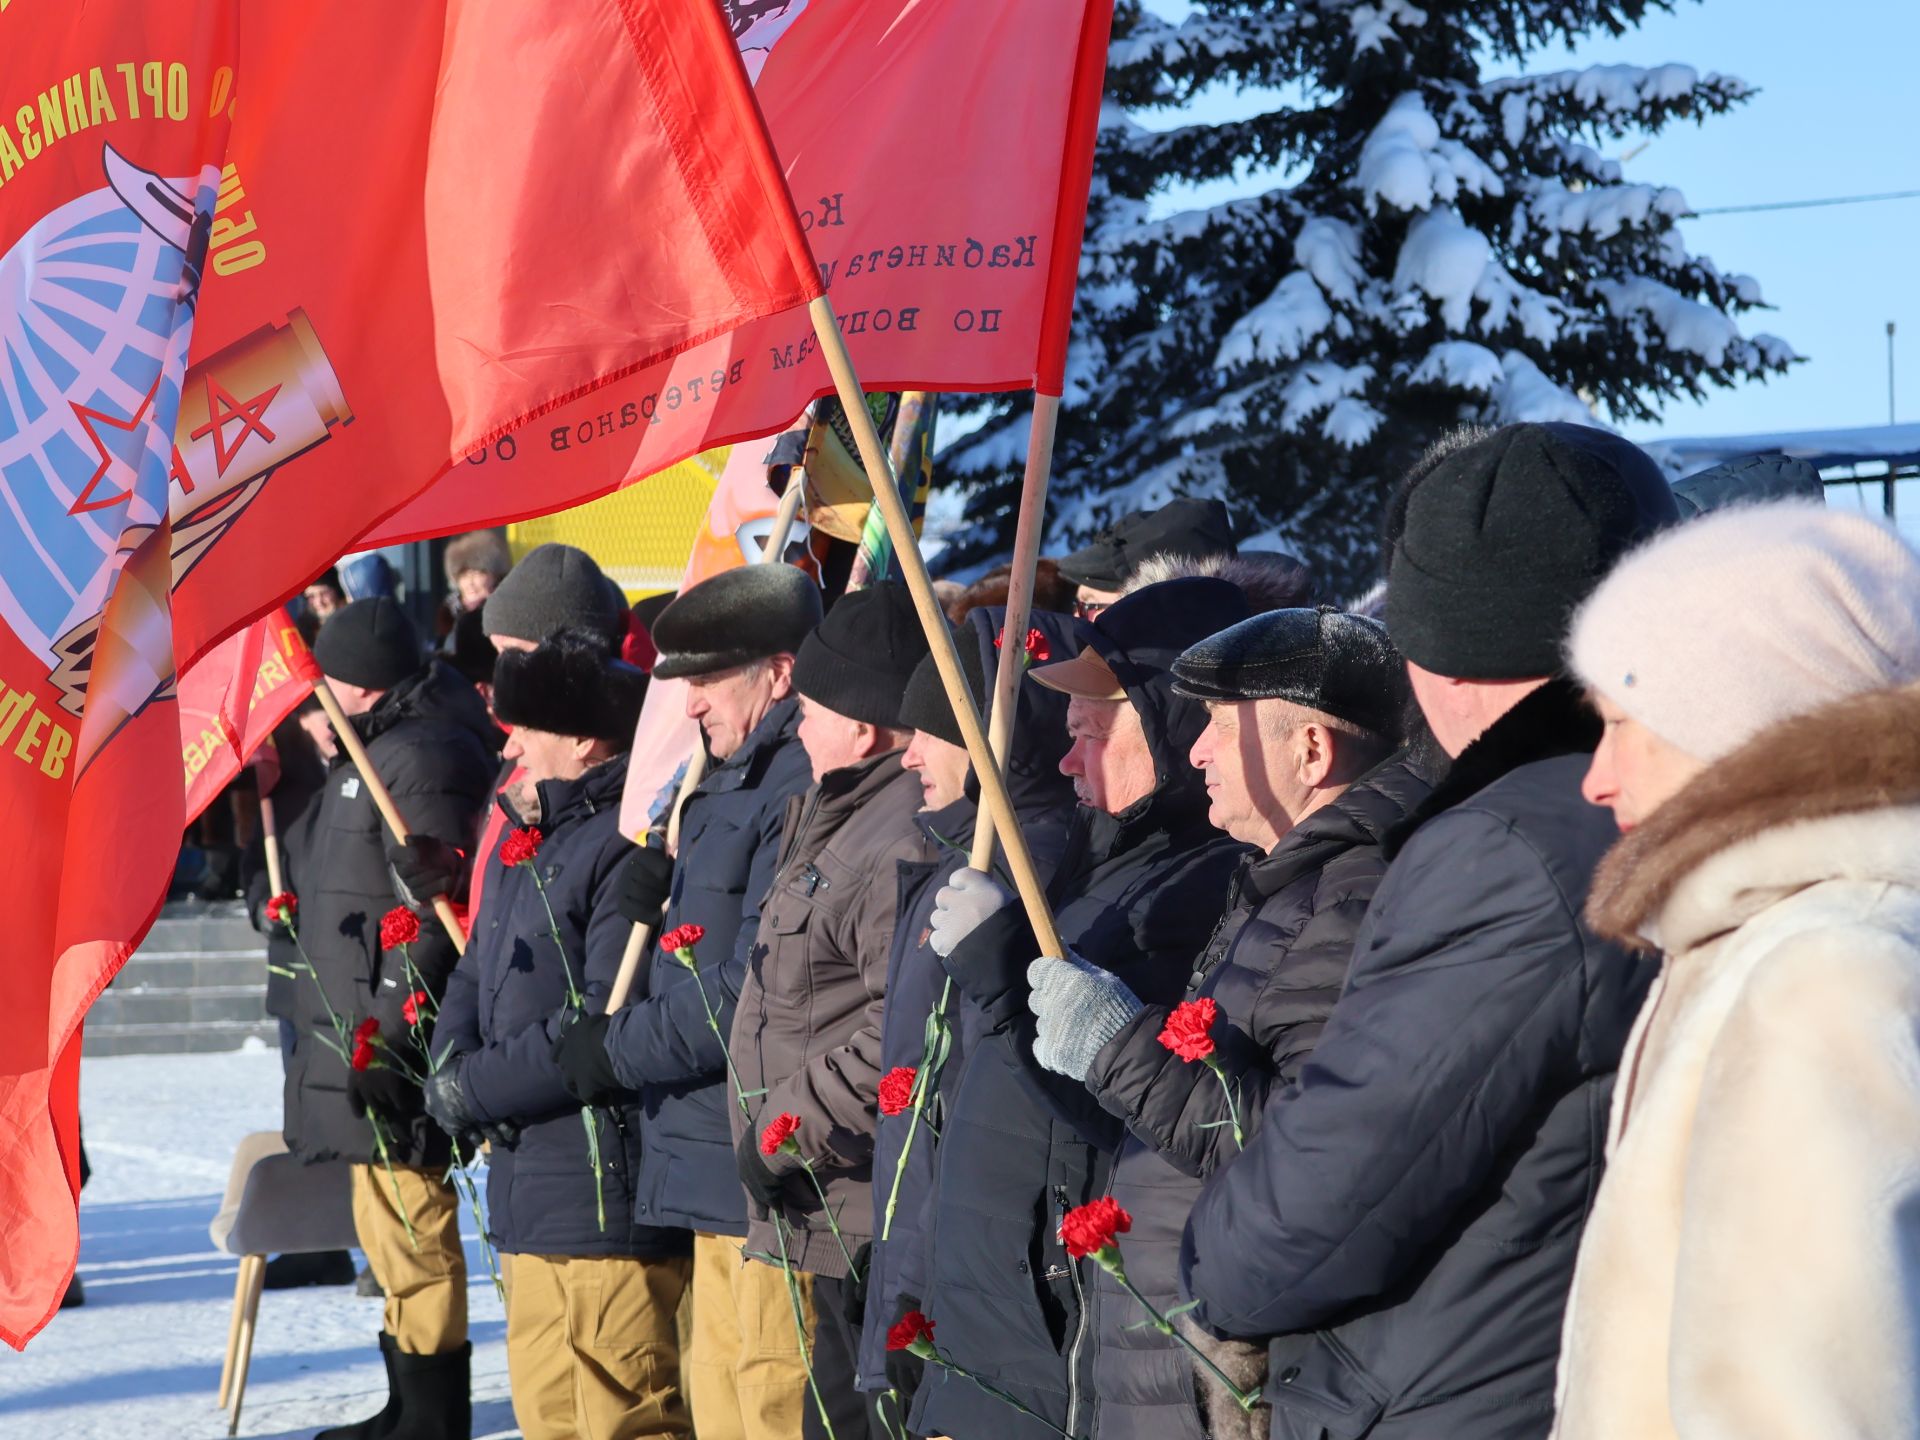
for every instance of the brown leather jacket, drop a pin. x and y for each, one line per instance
(807, 1028)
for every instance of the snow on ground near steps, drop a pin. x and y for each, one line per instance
(141, 1359)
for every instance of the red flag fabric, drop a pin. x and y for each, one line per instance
(940, 153)
(233, 696)
(267, 271)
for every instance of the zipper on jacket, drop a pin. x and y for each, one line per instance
(1080, 1325)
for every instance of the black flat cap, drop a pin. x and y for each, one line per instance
(735, 618)
(570, 685)
(1183, 527)
(1326, 660)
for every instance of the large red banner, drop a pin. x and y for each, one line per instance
(939, 152)
(233, 696)
(266, 272)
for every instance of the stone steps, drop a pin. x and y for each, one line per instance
(198, 983)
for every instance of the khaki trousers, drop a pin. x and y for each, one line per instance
(745, 1374)
(426, 1284)
(593, 1350)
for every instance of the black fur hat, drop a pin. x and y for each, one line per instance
(571, 685)
(734, 618)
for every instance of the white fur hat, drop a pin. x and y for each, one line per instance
(1724, 626)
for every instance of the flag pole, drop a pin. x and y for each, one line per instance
(270, 842)
(998, 805)
(382, 797)
(696, 770)
(1026, 559)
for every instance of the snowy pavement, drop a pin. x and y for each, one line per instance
(141, 1359)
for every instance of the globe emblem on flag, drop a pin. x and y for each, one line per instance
(757, 26)
(96, 305)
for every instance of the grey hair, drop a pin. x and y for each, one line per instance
(1271, 582)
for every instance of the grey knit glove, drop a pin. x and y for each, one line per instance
(962, 905)
(1081, 1007)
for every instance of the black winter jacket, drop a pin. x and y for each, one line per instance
(661, 1044)
(541, 1197)
(1043, 797)
(1406, 1221)
(302, 776)
(1137, 893)
(433, 744)
(1275, 966)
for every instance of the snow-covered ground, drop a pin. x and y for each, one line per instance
(141, 1359)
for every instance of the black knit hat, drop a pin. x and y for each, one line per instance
(554, 586)
(1504, 538)
(860, 658)
(1182, 527)
(924, 705)
(571, 685)
(1341, 665)
(370, 643)
(735, 618)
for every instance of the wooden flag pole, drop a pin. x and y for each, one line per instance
(1026, 558)
(382, 798)
(993, 786)
(696, 770)
(270, 842)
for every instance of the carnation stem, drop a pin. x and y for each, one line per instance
(471, 1192)
(380, 1145)
(685, 957)
(923, 1080)
(1233, 1105)
(1110, 1262)
(832, 1224)
(800, 1322)
(926, 1351)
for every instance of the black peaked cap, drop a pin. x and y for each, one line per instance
(1182, 527)
(1324, 659)
(735, 618)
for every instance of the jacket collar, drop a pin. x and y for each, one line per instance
(748, 765)
(1363, 815)
(563, 801)
(1833, 794)
(1554, 720)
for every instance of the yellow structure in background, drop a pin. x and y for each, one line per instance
(641, 534)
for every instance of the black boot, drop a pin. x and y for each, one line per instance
(436, 1399)
(388, 1420)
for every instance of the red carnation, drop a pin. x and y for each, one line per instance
(1091, 1228)
(399, 926)
(779, 1133)
(412, 1010)
(362, 1055)
(1186, 1031)
(1037, 650)
(282, 906)
(896, 1089)
(519, 847)
(912, 1329)
(683, 937)
(364, 1032)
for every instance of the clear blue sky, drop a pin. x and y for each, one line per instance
(1835, 116)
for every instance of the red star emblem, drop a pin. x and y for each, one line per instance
(121, 451)
(222, 409)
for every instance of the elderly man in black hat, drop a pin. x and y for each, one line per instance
(430, 740)
(1303, 706)
(732, 638)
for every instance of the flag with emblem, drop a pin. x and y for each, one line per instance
(267, 272)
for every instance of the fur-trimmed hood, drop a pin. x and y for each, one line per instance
(1845, 779)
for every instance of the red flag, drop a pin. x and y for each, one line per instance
(233, 696)
(417, 227)
(940, 153)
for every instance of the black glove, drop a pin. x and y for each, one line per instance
(446, 1101)
(384, 1093)
(425, 867)
(853, 1294)
(765, 1188)
(646, 880)
(904, 1368)
(580, 1050)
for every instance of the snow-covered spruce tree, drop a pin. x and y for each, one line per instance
(1451, 247)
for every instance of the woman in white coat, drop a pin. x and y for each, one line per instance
(1751, 1268)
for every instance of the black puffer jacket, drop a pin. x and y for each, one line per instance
(512, 981)
(302, 775)
(433, 744)
(661, 1044)
(915, 979)
(1406, 1221)
(1137, 893)
(1274, 967)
